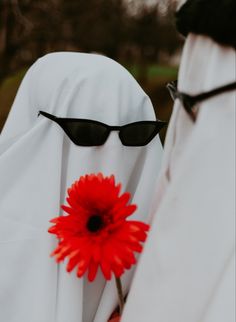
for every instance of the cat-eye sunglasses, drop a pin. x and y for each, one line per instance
(85, 132)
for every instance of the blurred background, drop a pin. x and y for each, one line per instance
(139, 34)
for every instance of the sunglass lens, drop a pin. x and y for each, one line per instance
(86, 133)
(138, 134)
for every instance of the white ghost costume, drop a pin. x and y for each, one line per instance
(186, 271)
(38, 162)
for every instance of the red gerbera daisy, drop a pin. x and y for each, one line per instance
(95, 232)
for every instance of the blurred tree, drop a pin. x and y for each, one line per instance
(153, 34)
(144, 32)
(26, 32)
(32, 28)
(168, 38)
(96, 25)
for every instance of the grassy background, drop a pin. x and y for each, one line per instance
(156, 78)
(8, 91)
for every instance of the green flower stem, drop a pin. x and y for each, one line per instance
(120, 294)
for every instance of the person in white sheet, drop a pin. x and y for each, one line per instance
(38, 162)
(186, 272)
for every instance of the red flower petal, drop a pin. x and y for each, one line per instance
(73, 260)
(106, 269)
(83, 265)
(92, 270)
(95, 231)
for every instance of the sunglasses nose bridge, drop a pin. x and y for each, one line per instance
(114, 128)
(111, 135)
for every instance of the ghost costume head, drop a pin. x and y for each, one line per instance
(38, 162)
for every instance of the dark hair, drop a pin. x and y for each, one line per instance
(213, 18)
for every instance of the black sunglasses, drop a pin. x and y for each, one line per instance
(188, 101)
(93, 133)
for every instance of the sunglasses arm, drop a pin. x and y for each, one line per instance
(49, 116)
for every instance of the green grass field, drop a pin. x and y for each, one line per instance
(155, 71)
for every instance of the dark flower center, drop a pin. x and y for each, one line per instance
(95, 223)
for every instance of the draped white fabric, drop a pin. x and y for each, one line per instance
(37, 164)
(186, 272)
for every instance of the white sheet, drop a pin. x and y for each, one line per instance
(38, 163)
(186, 272)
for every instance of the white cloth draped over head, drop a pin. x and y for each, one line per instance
(186, 271)
(38, 162)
